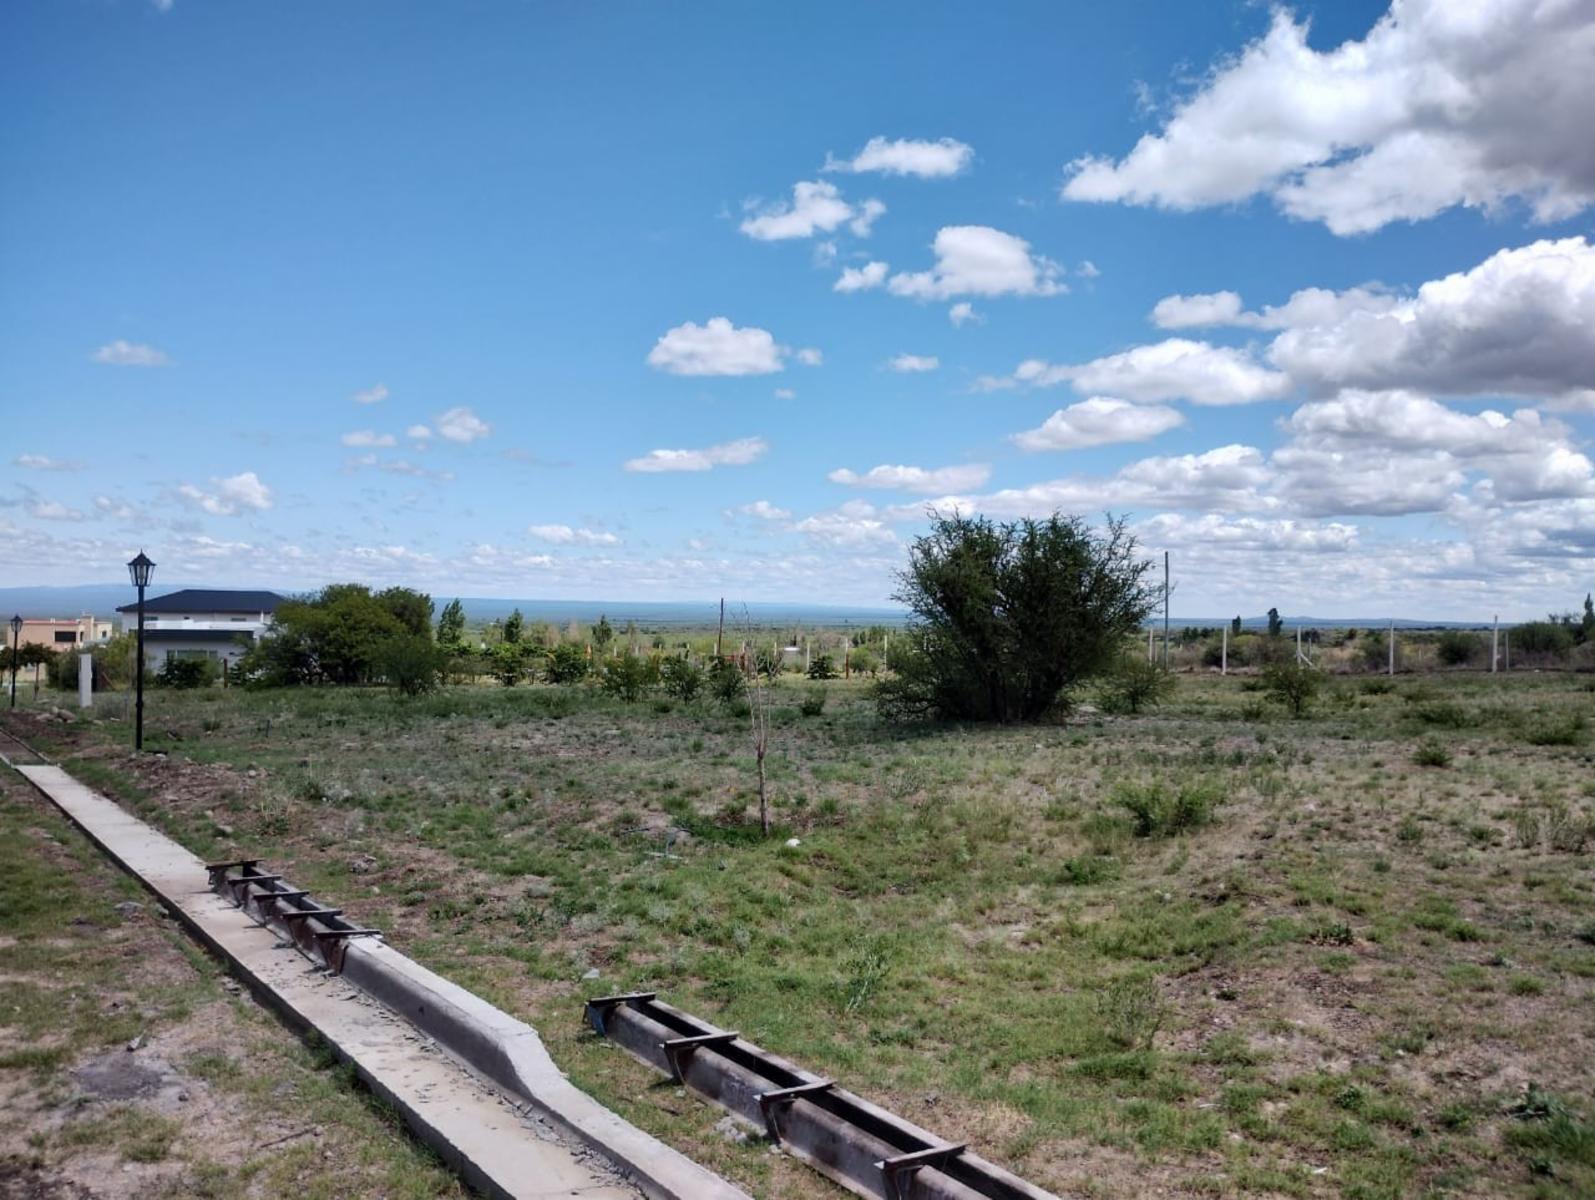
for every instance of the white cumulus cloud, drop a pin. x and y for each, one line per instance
(940, 159)
(231, 496)
(911, 363)
(716, 347)
(368, 437)
(726, 454)
(372, 395)
(925, 481)
(861, 279)
(977, 260)
(1440, 104)
(565, 535)
(130, 354)
(816, 207)
(461, 425)
(1099, 421)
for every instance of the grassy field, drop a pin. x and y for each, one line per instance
(1208, 950)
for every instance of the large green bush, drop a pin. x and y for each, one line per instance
(410, 663)
(1007, 618)
(1457, 647)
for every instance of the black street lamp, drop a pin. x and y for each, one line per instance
(16, 632)
(139, 569)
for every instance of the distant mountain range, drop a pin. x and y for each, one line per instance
(102, 599)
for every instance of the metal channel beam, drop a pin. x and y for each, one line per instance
(868, 1150)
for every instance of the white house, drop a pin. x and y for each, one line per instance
(201, 623)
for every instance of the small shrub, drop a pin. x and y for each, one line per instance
(681, 679)
(184, 673)
(821, 667)
(1293, 684)
(1432, 752)
(627, 677)
(1085, 870)
(1132, 1012)
(1133, 685)
(1556, 731)
(567, 664)
(813, 702)
(1457, 647)
(726, 682)
(1161, 811)
(410, 663)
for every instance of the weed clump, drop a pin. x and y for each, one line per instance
(1132, 1011)
(1159, 810)
(1133, 685)
(1432, 752)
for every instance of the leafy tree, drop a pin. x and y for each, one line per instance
(1006, 618)
(451, 624)
(821, 667)
(1586, 627)
(1293, 684)
(865, 662)
(726, 681)
(411, 609)
(331, 636)
(35, 655)
(514, 624)
(507, 662)
(410, 663)
(603, 634)
(1276, 623)
(681, 678)
(628, 676)
(567, 664)
(1235, 627)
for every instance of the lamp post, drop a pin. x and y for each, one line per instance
(139, 570)
(16, 633)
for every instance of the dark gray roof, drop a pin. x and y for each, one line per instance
(198, 600)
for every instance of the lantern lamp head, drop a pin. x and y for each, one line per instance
(139, 569)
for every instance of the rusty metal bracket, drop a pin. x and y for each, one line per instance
(677, 1049)
(244, 863)
(781, 1097)
(300, 914)
(894, 1169)
(599, 1008)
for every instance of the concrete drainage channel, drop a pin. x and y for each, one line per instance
(472, 1082)
(534, 1135)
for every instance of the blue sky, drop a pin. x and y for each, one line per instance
(418, 293)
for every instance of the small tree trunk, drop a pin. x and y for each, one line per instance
(764, 802)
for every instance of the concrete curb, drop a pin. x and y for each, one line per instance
(509, 1053)
(524, 1157)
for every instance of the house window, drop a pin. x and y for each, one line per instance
(65, 636)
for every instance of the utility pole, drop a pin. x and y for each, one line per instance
(1165, 610)
(1495, 645)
